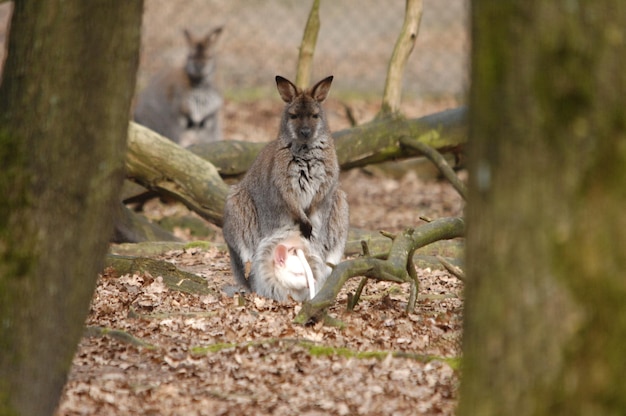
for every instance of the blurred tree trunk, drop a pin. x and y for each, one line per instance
(64, 104)
(545, 329)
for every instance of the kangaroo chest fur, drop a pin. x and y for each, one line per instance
(307, 174)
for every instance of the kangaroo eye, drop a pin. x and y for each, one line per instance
(293, 116)
(315, 116)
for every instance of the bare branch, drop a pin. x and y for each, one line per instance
(453, 269)
(307, 48)
(401, 52)
(438, 160)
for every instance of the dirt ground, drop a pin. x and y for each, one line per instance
(165, 352)
(150, 350)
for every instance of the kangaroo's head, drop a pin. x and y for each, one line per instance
(303, 117)
(201, 57)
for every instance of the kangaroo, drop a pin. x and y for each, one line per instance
(294, 181)
(283, 266)
(183, 104)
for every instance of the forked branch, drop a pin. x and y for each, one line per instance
(395, 268)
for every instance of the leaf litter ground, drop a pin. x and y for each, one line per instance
(155, 351)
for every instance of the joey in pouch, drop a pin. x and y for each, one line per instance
(293, 183)
(283, 266)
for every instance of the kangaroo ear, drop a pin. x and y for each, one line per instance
(287, 90)
(213, 36)
(280, 255)
(320, 90)
(188, 37)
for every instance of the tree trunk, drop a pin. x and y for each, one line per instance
(64, 104)
(546, 296)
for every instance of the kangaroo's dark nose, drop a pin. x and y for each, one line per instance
(305, 132)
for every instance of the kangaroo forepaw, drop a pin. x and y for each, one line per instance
(306, 229)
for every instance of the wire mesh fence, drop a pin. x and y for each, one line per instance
(356, 39)
(261, 39)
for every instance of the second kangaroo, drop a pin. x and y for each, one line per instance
(183, 103)
(294, 182)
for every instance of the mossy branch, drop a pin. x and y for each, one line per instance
(173, 278)
(133, 228)
(360, 146)
(394, 268)
(316, 349)
(163, 166)
(118, 334)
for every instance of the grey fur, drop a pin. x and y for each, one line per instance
(294, 182)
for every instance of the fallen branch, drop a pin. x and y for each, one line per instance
(134, 228)
(370, 143)
(378, 245)
(395, 268)
(316, 349)
(118, 334)
(148, 248)
(439, 161)
(455, 270)
(379, 141)
(163, 166)
(132, 313)
(173, 278)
